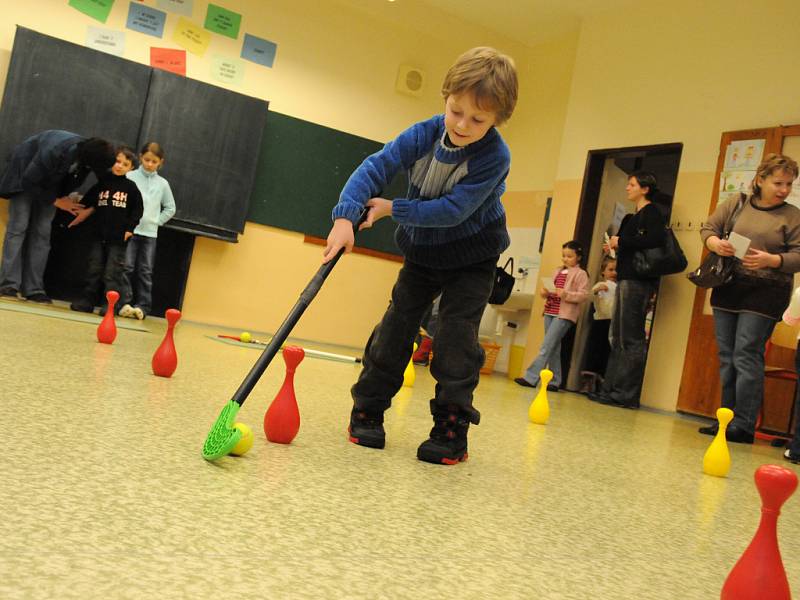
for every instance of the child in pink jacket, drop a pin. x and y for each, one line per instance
(560, 315)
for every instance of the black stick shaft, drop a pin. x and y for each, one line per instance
(288, 324)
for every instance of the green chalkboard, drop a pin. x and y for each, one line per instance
(301, 170)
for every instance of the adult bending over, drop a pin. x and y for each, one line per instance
(41, 172)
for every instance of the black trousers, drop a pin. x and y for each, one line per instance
(105, 271)
(457, 355)
(625, 370)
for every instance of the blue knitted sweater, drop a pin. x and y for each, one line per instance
(452, 215)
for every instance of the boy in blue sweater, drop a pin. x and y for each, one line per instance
(451, 230)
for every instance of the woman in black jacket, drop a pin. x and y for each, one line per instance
(644, 228)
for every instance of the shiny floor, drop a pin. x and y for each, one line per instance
(105, 493)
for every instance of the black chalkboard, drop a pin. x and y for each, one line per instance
(302, 168)
(212, 138)
(53, 84)
(211, 135)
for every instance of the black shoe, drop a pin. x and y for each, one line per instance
(39, 298)
(81, 307)
(447, 444)
(597, 397)
(739, 436)
(792, 458)
(366, 428)
(553, 388)
(611, 401)
(8, 291)
(710, 430)
(523, 382)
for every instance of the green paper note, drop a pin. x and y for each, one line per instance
(97, 9)
(223, 21)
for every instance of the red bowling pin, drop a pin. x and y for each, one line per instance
(282, 419)
(165, 359)
(759, 573)
(107, 330)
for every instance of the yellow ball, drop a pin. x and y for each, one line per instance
(246, 442)
(246, 337)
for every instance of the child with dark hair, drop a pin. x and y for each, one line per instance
(598, 348)
(561, 311)
(41, 173)
(115, 205)
(159, 206)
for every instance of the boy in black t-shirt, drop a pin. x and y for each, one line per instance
(115, 205)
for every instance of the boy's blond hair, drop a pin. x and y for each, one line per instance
(490, 76)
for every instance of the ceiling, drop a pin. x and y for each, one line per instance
(529, 22)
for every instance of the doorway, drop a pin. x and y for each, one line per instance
(602, 207)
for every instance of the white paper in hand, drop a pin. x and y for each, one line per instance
(607, 240)
(549, 284)
(740, 244)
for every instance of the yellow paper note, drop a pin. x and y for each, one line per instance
(191, 36)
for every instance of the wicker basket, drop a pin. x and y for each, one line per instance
(492, 350)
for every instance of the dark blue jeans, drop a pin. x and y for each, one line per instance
(457, 355)
(626, 363)
(741, 341)
(105, 272)
(27, 242)
(139, 260)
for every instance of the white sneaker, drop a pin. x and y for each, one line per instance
(138, 313)
(127, 311)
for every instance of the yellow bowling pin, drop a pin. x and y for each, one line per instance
(410, 375)
(539, 411)
(717, 459)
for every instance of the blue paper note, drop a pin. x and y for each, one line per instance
(146, 20)
(258, 50)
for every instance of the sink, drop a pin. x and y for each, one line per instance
(517, 301)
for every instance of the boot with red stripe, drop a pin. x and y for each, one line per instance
(447, 444)
(366, 428)
(422, 355)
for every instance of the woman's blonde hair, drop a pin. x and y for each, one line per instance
(490, 76)
(771, 164)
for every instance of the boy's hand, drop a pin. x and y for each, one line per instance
(600, 287)
(559, 292)
(341, 236)
(544, 294)
(128, 235)
(613, 242)
(378, 208)
(80, 216)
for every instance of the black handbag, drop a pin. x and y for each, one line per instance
(716, 270)
(503, 283)
(664, 260)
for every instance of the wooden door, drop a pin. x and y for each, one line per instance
(700, 386)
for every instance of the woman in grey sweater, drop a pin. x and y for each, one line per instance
(747, 309)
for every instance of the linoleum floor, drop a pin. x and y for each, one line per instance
(105, 493)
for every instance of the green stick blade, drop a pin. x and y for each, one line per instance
(223, 436)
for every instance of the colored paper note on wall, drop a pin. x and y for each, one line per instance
(223, 21)
(106, 40)
(227, 70)
(191, 36)
(258, 50)
(97, 9)
(169, 59)
(146, 20)
(182, 7)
